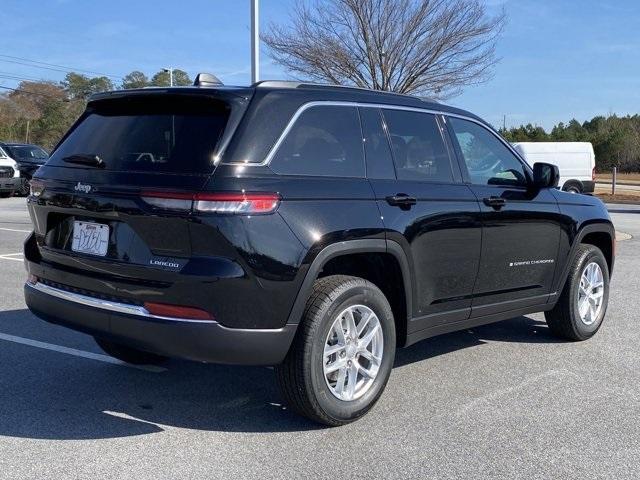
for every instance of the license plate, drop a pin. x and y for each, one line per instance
(91, 238)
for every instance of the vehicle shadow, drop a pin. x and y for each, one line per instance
(516, 330)
(51, 395)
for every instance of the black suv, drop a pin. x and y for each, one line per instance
(29, 158)
(315, 228)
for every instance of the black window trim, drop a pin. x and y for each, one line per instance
(463, 165)
(458, 173)
(364, 147)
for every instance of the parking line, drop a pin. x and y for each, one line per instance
(79, 353)
(3, 257)
(14, 230)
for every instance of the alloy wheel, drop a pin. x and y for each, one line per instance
(353, 352)
(590, 293)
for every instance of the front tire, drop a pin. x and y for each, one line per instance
(343, 353)
(23, 191)
(6, 194)
(128, 354)
(582, 305)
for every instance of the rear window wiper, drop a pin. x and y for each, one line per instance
(85, 159)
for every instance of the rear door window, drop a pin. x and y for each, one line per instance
(164, 134)
(324, 140)
(418, 147)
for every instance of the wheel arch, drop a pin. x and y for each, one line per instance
(600, 234)
(605, 241)
(363, 258)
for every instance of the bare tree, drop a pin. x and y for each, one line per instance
(423, 47)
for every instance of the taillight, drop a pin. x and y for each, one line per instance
(169, 200)
(36, 187)
(593, 174)
(241, 203)
(177, 311)
(238, 203)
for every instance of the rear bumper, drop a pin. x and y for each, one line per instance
(10, 184)
(203, 341)
(588, 186)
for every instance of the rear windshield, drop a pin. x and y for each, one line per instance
(166, 134)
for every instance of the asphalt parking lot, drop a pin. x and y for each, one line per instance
(501, 401)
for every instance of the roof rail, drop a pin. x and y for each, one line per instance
(276, 84)
(297, 84)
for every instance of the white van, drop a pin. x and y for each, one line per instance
(576, 162)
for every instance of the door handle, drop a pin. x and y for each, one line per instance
(495, 202)
(402, 200)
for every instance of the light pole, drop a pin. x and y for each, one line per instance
(255, 41)
(169, 70)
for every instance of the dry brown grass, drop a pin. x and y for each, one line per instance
(606, 190)
(622, 177)
(619, 198)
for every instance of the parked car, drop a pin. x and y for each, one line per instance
(10, 181)
(575, 160)
(28, 158)
(314, 228)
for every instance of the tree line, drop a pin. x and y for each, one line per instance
(615, 140)
(41, 112)
(421, 47)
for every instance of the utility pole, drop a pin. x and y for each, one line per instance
(255, 41)
(26, 137)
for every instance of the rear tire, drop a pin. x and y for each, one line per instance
(310, 378)
(569, 319)
(128, 354)
(573, 188)
(6, 194)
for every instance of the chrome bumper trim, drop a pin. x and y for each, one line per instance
(106, 304)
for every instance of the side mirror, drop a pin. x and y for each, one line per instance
(545, 175)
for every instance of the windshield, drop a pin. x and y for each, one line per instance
(148, 134)
(28, 152)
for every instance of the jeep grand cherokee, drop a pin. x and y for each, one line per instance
(314, 228)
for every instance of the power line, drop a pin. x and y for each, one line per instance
(35, 66)
(32, 93)
(50, 66)
(13, 76)
(53, 65)
(18, 75)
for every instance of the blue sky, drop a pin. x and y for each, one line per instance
(559, 59)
